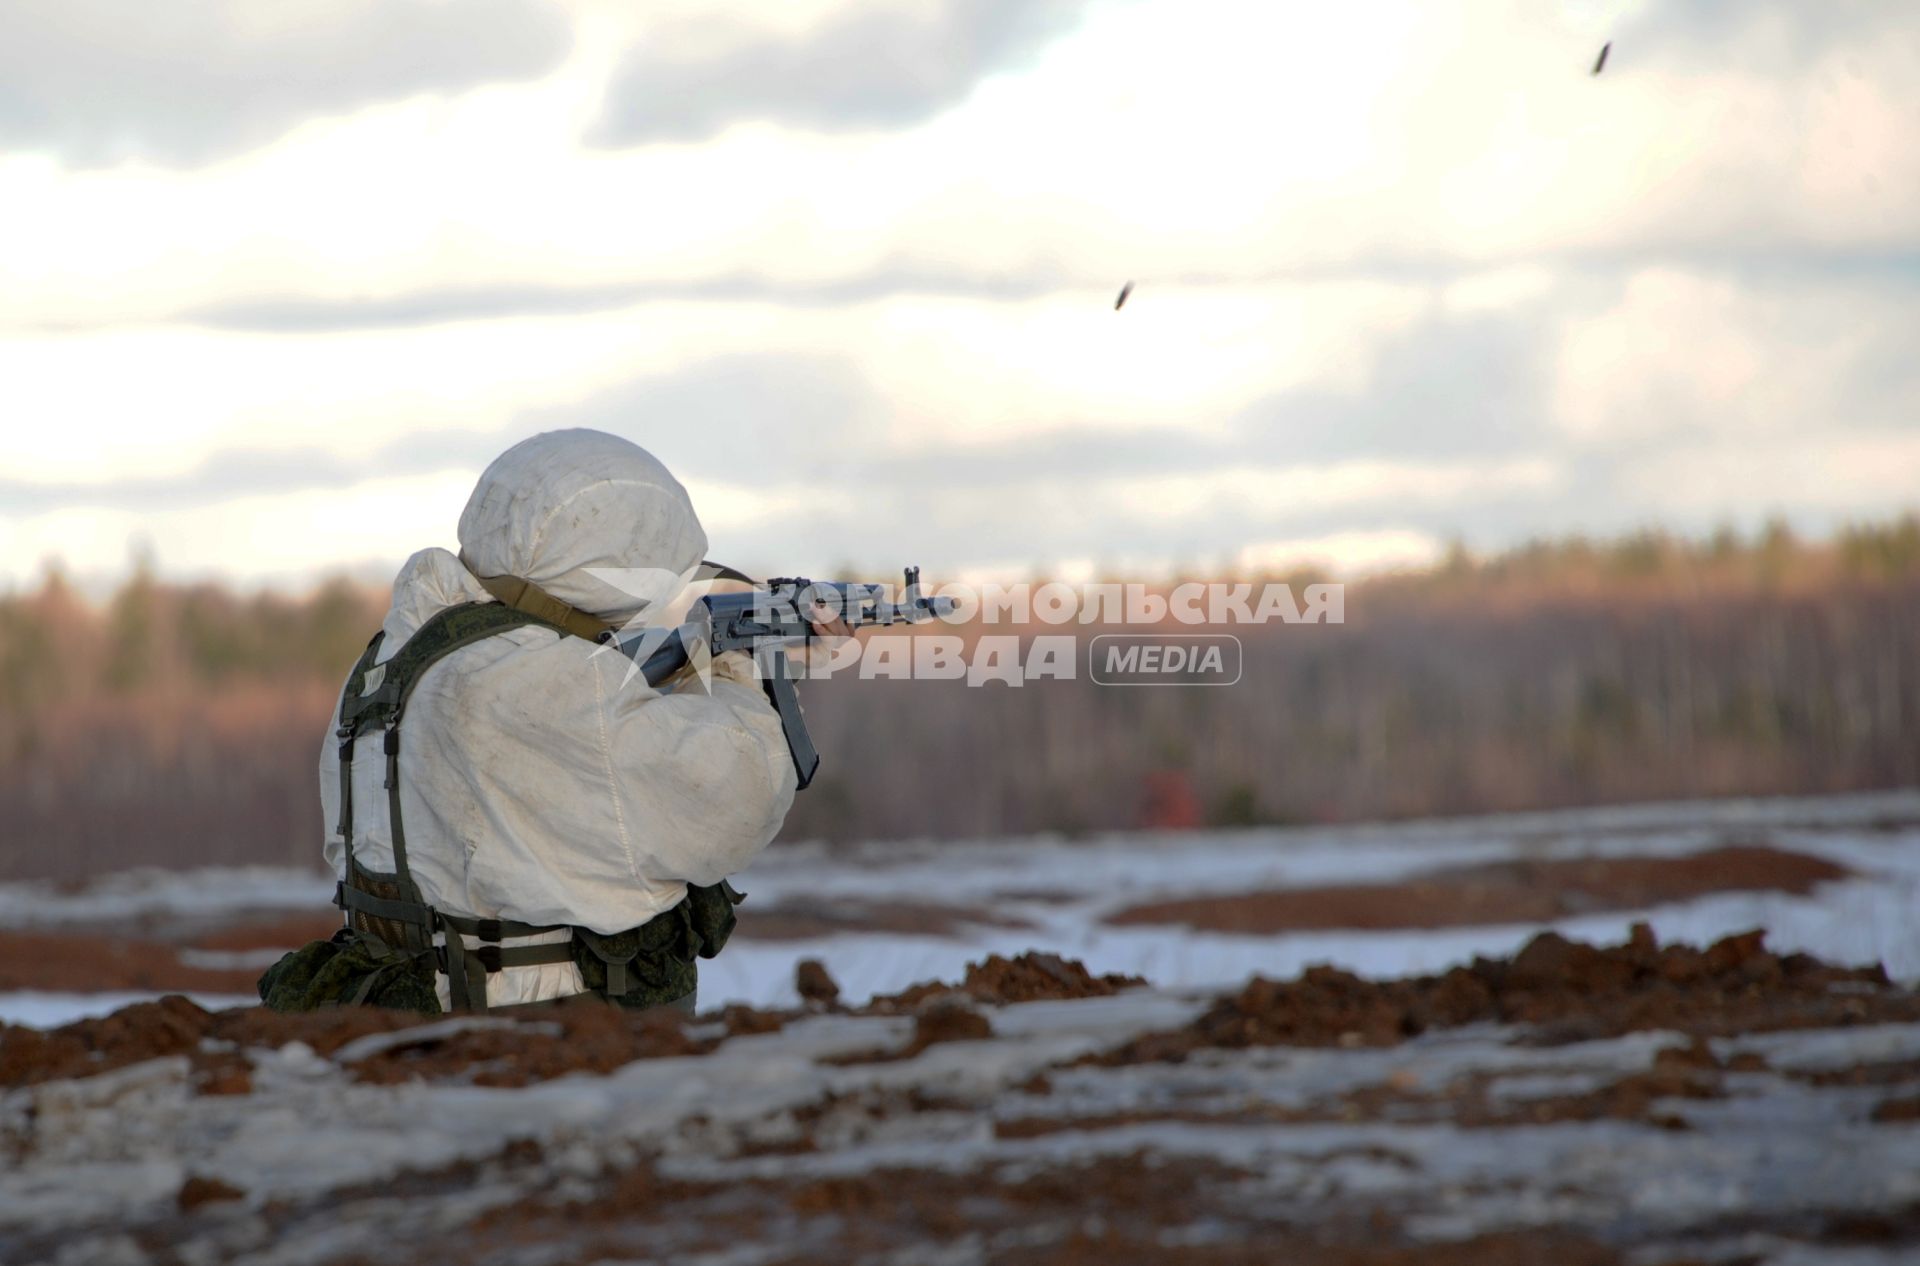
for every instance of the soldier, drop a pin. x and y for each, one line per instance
(512, 815)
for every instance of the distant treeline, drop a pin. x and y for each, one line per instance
(179, 725)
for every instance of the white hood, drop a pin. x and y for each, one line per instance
(593, 519)
(540, 779)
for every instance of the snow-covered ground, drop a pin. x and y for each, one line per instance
(316, 1167)
(1064, 889)
(1057, 893)
(832, 1139)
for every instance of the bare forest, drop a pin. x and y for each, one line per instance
(180, 725)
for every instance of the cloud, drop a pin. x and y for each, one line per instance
(438, 305)
(872, 68)
(733, 418)
(186, 82)
(1771, 37)
(221, 476)
(298, 313)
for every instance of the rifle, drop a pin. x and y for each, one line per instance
(764, 621)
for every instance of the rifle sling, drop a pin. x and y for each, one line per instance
(523, 595)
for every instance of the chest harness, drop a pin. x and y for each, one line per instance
(388, 907)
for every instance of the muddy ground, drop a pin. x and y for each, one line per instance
(1635, 1103)
(227, 957)
(1524, 892)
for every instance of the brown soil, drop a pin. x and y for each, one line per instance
(1029, 977)
(1565, 990)
(1873, 1073)
(101, 960)
(1892, 1110)
(78, 963)
(944, 1018)
(289, 932)
(196, 1191)
(1471, 1101)
(1504, 892)
(814, 983)
(545, 1041)
(593, 1038)
(98, 960)
(175, 1026)
(1108, 1211)
(1047, 1206)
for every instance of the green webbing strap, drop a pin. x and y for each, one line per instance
(350, 898)
(383, 705)
(467, 968)
(375, 698)
(499, 929)
(346, 734)
(439, 637)
(524, 596)
(493, 958)
(456, 961)
(365, 990)
(394, 828)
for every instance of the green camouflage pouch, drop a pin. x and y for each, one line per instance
(710, 916)
(351, 969)
(641, 967)
(655, 964)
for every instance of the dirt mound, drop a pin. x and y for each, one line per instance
(946, 1017)
(571, 1037)
(1503, 892)
(814, 983)
(529, 1044)
(198, 1190)
(176, 1026)
(1566, 990)
(1030, 977)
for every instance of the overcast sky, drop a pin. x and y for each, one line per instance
(276, 281)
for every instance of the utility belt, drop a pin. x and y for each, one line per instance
(408, 928)
(650, 965)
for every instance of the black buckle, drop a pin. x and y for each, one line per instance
(487, 929)
(392, 741)
(489, 956)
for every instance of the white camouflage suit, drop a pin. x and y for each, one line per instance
(538, 783)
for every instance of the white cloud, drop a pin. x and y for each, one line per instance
(872, 65)
(1257, 141)
(284, 536)
(1401, 268)
(100, 81)
(1824, 477)
(1684, 354)
(1328, 487)
(1345, 554)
